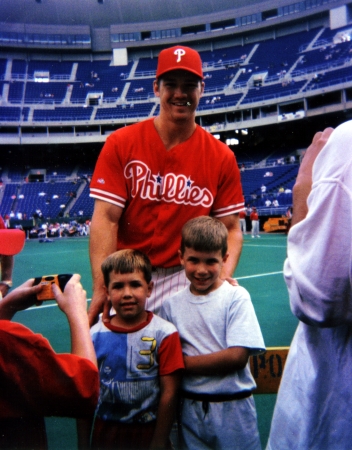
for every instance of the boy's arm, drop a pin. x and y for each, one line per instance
(73, 302)
(169, 386)
(222, 362)
(19, 299)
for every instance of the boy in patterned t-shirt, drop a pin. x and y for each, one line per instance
(139, 359)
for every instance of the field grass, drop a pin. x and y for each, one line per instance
(259, 271)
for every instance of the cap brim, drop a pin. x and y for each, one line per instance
(186, 69)
(11, 241)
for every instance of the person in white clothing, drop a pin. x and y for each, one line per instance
(219, 330)
(313, 409)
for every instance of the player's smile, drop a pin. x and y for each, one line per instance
(203, 270)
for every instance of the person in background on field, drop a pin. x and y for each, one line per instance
(243, 224)
(254, 217)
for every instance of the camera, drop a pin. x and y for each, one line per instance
(46, 281)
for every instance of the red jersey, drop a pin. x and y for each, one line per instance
(160, 190)
(254, 215)
(36, 382)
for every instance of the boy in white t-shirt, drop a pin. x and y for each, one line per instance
(219, 330)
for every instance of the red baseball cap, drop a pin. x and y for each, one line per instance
(179, 57)
(11, 241)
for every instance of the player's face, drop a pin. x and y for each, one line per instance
(203, 269)
(128, 293)
(179, 92)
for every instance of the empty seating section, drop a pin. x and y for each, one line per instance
(332, 55)
(7, 203)
(57, 70)
(45, 92)
(219, 101)
(48, 197)
(99, 77)
(84, 204)
(10, 114)
(217, 80)
(16, 91)
(19, 69)
(140, 89)
(231, 70)
(146, 66)
(257, 94)
(273, 178)
(278, 55)
(330, 79)
(3, 64)
(62, 114)
(124, 111)
(226, 56)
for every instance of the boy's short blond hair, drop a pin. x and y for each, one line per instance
(204, 234)
(127, 261)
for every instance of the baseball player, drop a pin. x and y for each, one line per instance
(152, 177)
(254, 217)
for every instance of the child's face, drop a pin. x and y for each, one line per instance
(203, 269)
(128, 293)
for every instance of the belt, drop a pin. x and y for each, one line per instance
(216, 397)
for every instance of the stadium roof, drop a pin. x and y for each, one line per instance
(103, 13)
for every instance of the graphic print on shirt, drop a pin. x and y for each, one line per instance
(129, 380)
(171, 188)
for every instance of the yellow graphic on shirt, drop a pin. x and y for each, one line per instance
(149, 353)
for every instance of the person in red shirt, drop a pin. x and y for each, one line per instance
(154, 176)
(35, 381)
(255, 222)
(243, 224)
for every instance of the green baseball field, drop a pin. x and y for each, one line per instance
(259, 271)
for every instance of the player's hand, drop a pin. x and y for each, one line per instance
(74, 298)
(106, 311)
(304, 180)
(306, 167)
(4, 289)
(19, 299)
(232, 281)
(97, 306)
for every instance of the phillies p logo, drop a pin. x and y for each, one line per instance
(179, 52)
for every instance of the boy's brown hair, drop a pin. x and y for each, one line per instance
(127, 261)
(204, 234)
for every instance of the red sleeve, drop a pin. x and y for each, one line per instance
(108, 181)
(37, 381)
(229, 198)
(170, 355)
(2, 224)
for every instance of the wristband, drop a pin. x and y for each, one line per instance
(7, 283)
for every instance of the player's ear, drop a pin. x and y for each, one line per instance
(224, 259)
(150, 288)
(106, 290)
(156, 87)
(180, 254)
(202, 87)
